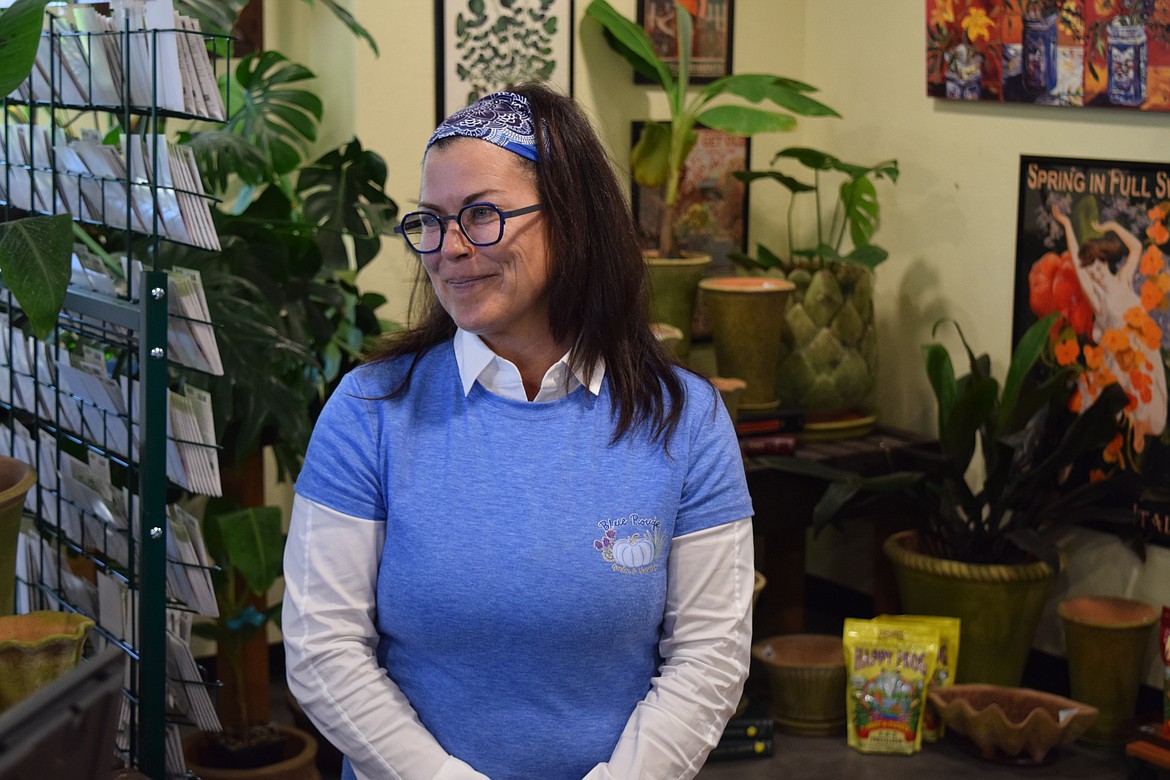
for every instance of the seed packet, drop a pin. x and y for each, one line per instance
(889, 665)
(944, 669)
(1164, 645)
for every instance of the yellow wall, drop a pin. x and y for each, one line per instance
(949, 224)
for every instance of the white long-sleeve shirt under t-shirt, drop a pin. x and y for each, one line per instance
(331, 566)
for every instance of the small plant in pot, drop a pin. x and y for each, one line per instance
(983, 540)
(829, 352)
(247, 546)
(659, 155)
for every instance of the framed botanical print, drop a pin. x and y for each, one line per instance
(710, 44)
(483, 46)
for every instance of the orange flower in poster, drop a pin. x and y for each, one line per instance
(1153, 261)
(1141, 383)
(1094, 359)
(1156, 213)
(1152, 295)
(1115, 341)
(1112, 452)
(1067, 352)
(1158, 233)
(1096, 475)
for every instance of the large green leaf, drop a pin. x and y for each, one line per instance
(278, 119)
(221, 155)
(631, 41)
(215, 16)
(745, 120)
(756, 87)
(650, 157)
(792, 184)
(859, 206)
(343, 193)
(342, 13)
(35, 255)
(20, 34)
(1024, 357)
(248, 542)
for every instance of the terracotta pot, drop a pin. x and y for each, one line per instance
(36, 649)
(999, 606)
(1106, 640)
(747, 316)
(806, 677)
(299, 763)
(674, 283)
(16, 479)
(730, 390)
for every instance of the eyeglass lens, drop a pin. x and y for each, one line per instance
(481, 223)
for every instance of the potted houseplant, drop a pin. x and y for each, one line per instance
(660, 152)
(828, 359)
(981, 546)
(247, 545)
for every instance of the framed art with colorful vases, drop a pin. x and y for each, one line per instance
(711, 44)
(1092, 243)
(483, 46)
(1094, 53)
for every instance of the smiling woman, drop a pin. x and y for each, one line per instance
(467, 492)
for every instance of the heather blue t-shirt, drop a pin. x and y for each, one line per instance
(522, 584)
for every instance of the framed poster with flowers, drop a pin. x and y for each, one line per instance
(1103, 53)
(710, 44)
(487, 45)
(1092, 243)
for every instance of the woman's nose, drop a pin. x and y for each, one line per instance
(455, 244)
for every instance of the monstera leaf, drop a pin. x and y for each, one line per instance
(343, 193)
(277, 118)
(222, 155)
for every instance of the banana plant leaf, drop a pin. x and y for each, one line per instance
(20, 35)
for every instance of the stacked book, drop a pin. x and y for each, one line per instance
(744, 737)
(141, 54)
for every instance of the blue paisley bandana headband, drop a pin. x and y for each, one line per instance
(502, 118)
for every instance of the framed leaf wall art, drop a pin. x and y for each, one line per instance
(483, 46)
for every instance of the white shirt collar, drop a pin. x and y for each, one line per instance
(477, 362)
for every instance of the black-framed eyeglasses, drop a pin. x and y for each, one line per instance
(481, 223)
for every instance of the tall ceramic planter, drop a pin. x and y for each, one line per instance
(16, 479)
(829, 352)
(747, 317)
(674, 283)
(1106, 640)
(999, 606)
(37, 648)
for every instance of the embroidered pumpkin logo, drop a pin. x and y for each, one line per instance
(633, 553)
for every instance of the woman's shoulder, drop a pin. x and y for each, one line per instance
(383, 376)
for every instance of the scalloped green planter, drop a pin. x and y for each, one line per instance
(16, 479)
(999, 606)
(37, 648)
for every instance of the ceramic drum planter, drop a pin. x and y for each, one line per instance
(16, 479)
(674, 283)
(37, 648)
(1106, 640)
(747, 319)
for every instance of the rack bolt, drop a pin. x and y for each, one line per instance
(156, 533)
(158, 293)
(157, 353)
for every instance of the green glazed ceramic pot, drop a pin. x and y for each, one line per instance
(999, 606)
(36, 649)
(747, 316)
(16, 479)
(1106, 640)
(674, 283)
